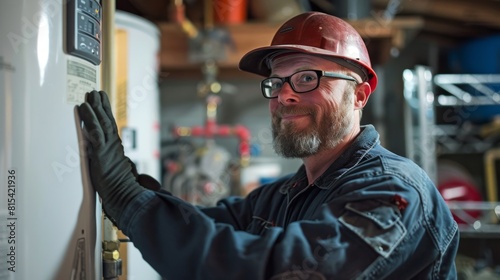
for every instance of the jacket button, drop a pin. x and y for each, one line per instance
(382, 248)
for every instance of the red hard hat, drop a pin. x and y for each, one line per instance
(318, 34)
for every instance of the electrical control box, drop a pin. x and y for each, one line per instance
(83, 29)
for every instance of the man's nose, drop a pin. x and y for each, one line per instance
(287, 95)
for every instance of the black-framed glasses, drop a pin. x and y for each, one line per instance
(301, 81)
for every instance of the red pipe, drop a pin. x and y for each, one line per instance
(212, 129)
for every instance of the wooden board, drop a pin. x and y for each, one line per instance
(380, 36)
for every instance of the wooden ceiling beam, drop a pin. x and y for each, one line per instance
(379, 37)
(453, 29)
(478, 12)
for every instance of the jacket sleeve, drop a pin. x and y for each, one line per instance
(361, 233)
(233, 211)
(181, 242)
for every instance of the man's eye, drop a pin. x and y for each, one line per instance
(306, 78)
(277, 85)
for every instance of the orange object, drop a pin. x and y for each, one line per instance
(230, 11)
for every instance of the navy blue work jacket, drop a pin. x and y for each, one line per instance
(371, 215)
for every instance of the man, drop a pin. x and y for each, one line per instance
(352, 211)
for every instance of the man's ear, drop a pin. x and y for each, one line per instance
(361, 95)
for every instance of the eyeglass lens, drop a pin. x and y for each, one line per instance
(302, 81)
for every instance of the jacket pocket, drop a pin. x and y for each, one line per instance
(376, 223)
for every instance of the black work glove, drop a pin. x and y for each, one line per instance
(110, 170)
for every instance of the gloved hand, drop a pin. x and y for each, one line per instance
(110, 170)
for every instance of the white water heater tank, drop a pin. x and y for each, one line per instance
(48, 220)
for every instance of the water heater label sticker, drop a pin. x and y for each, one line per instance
(81, 78)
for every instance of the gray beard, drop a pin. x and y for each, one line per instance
(291, 143)
(294, 145)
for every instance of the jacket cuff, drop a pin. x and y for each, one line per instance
(135, 207)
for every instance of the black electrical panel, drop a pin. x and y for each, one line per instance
(83, 29)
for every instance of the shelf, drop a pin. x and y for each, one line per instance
(468, 126)
(481, 219)
(381, 37)
(449, 22)
(478, 92)
(465, 138)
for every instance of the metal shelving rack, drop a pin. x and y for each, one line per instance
(419, 118)
(486, 227)
(426, 139)
(462, 136)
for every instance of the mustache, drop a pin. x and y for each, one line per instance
(292, 111)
